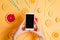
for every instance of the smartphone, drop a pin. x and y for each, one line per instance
(29, 21)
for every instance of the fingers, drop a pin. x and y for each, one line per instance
(22, 26)
(35, 22)
(35, 28)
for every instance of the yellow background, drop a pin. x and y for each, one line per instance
(47, 12)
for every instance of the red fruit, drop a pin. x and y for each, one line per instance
(10, 17)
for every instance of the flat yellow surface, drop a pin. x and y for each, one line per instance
(47, 12)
